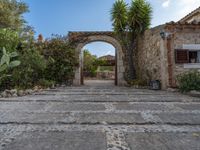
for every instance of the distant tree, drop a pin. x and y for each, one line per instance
(129, 22)
(40, 38)
(11, 13)
(90, 64)
(8, 39)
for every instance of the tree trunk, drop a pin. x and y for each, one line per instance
(132, 71)
(128, 41)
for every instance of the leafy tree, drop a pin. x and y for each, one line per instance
(31, 69)
(129, 22)
(27, 35)
(61, 60)
(11, 13)
(90, 63)
(8, 39)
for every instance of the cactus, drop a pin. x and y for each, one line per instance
(6, 61)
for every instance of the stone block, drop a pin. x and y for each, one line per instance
(57, 140)
(76, 107)
(163, 141)
(109, 118)
(180, 118)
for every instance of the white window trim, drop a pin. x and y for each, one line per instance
(192, 66)
(191, 47)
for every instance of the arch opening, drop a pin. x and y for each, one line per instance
(99, 64)
(119, 69)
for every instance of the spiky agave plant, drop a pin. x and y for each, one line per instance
(129, 22)
(119, 18)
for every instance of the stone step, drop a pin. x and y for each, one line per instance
(101, 106)
(144, 118)
(104, 98)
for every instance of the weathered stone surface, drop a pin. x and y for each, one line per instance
(164, 141)
(58, 141)
(186, 36)
(195, 106)
(22, 106)
(35, 118)
(109, 118)
(141, 107)
(76, 107)
(194, 93)
(180, 118)
(87, 37)
(98, 117)
(149, 54)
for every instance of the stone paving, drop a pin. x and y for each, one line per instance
(102, 117)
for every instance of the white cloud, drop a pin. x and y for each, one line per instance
(166, 3)
(186, 6)
(182, 7)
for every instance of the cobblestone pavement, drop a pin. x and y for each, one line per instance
(100, 118)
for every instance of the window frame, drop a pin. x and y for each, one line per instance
(177, 61)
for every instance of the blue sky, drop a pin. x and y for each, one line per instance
(60, 16)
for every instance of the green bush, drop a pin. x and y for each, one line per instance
(106, 68)
(189, 81)
(42, 64)
(9, 39)
(31, 69)
(137, 82)
(60, 58)
(8, 62)
(45, 83)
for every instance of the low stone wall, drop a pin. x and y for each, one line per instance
(108, 75)
(149, 55)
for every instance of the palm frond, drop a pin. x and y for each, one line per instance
(139, 16)
(119, 15)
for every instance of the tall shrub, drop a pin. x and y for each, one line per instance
(11, 12)
(189, 81)
(31, 69)
(61, 60)
(9, 39)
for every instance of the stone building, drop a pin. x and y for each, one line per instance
(163, 53)
(110, 60)
(80, 39)
(170, 49)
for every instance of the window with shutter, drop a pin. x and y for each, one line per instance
(182, 56)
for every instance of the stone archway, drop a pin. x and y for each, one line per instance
(80, 39)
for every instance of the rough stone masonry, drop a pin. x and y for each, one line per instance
(102, 117)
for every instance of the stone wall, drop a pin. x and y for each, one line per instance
(105, 75)
(156, 59)
(150, 55)
(83, 38)
(187, 36)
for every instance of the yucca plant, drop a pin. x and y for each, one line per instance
(129, 22)
(7, 62)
